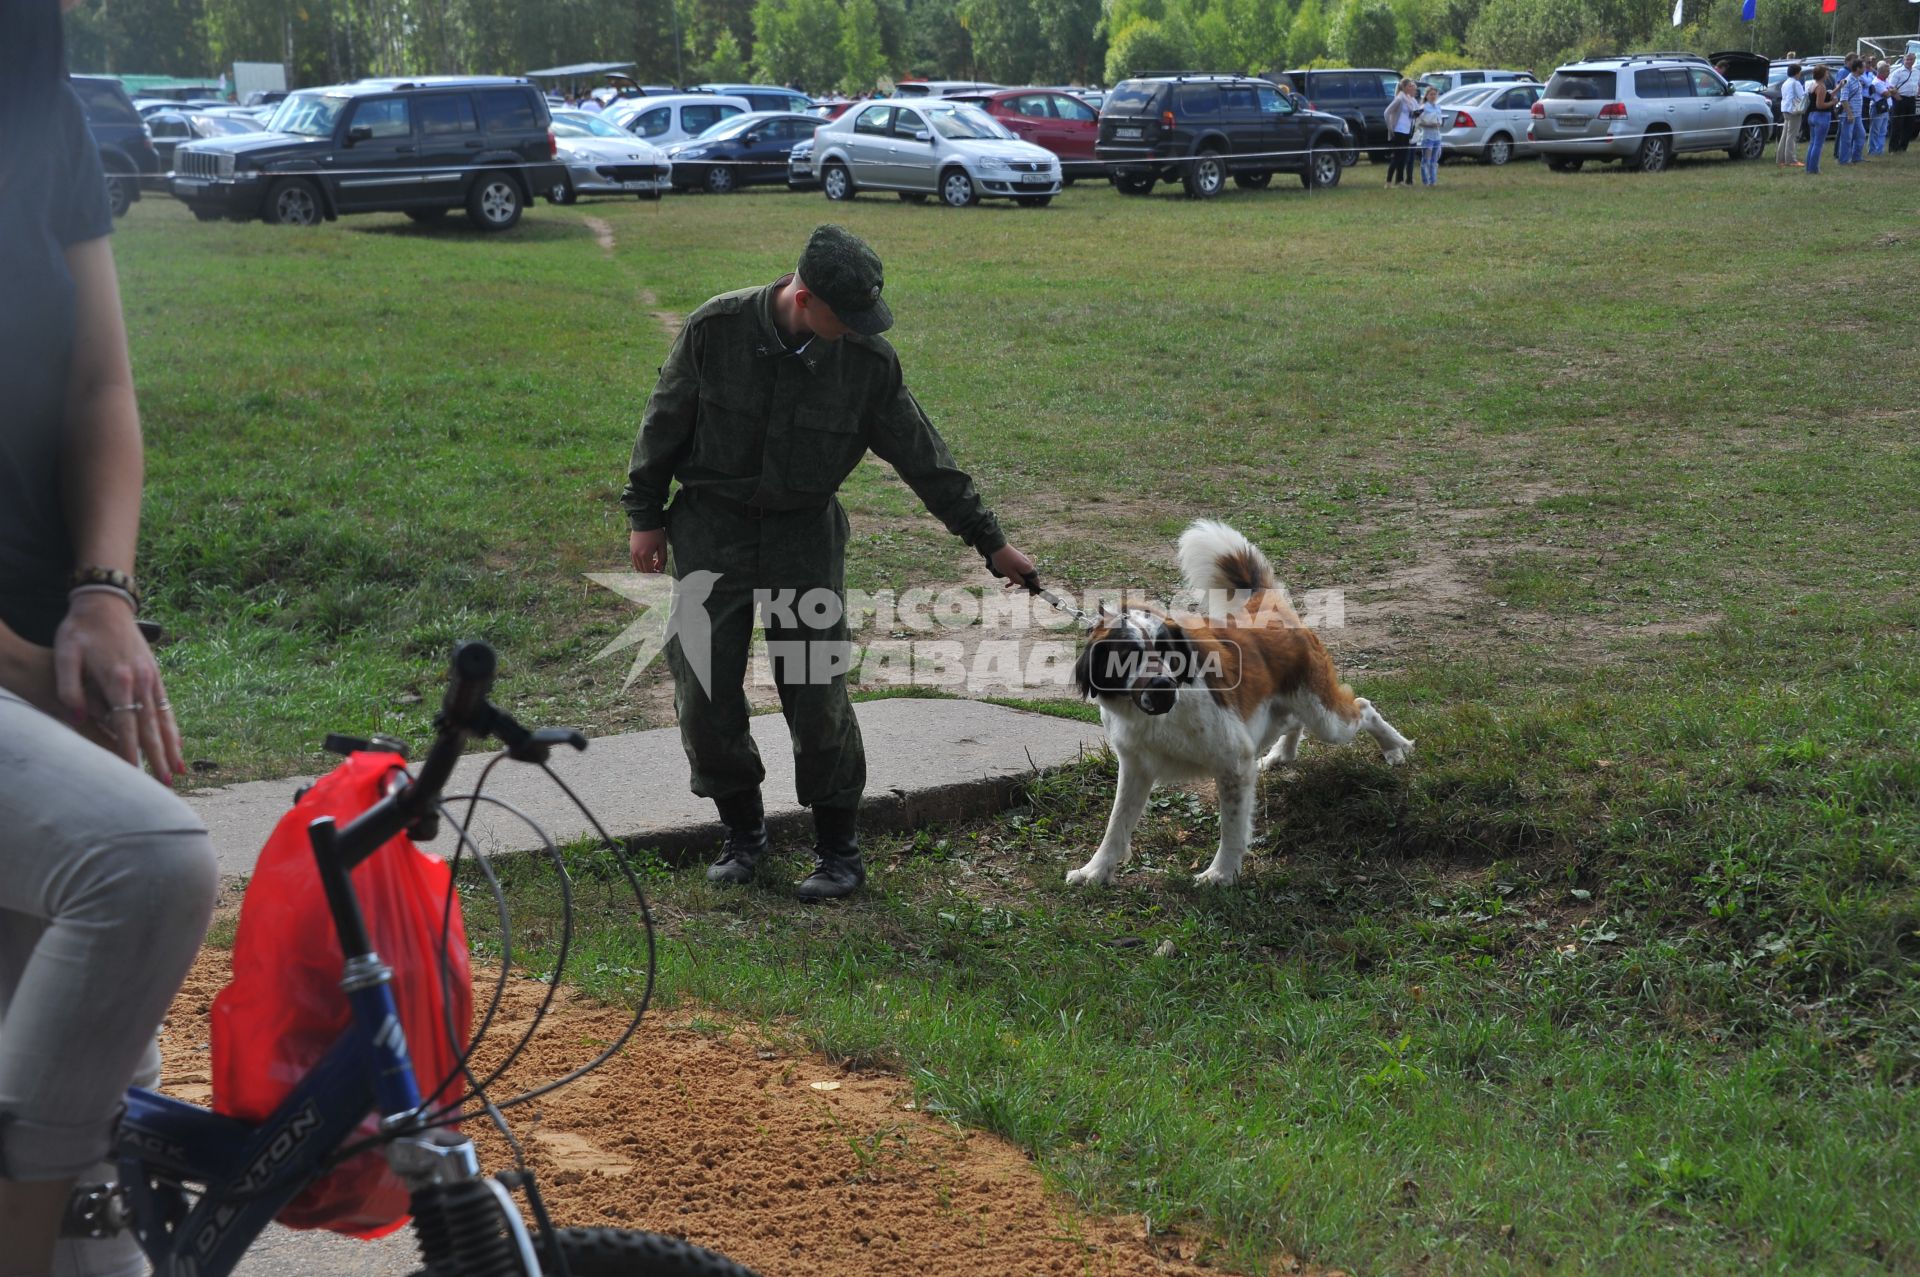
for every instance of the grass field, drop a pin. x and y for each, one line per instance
(1618, 473)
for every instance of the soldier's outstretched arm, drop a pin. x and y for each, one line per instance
(900, 434)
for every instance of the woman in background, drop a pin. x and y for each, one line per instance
(1430, 127)
(1819, 117)
(1400, 113)
(1793, 114)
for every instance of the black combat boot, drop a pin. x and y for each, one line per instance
(837, 844)
(746, 823)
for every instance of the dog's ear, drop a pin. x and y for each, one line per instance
(1083, 668)
(1181, 654)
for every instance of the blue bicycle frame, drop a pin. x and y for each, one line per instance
(252, 1171)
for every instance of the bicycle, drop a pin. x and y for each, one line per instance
(197, 1188)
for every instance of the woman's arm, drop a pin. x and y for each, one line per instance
(102, 665)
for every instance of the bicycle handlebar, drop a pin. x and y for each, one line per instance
(410, 806)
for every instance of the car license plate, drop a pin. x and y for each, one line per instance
(1132, 135)
(190, 184)
(1035, 181)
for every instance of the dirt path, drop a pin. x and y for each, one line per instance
(602, 233)
(786, 1162)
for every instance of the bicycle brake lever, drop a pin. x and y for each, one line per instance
(524, 746)
(535, 746)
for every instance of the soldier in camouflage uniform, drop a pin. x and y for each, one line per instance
(768, 400)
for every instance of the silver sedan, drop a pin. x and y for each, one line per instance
(604, 160)
(1488, 122)
(923, 146)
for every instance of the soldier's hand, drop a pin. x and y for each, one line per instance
(648, 550)
(1013, 565)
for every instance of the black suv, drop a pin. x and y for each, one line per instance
(419, 146)
(1199, 129)
(126, 148)
(1358, 96)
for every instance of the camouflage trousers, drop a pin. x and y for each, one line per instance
(726, 559)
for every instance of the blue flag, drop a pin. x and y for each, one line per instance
(1746, 10)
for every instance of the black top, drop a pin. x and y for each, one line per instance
(53, 194)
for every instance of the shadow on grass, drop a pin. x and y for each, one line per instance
(455, 226)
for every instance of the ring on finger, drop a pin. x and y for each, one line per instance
(131, 707)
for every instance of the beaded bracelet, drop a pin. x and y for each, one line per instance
(95, 575)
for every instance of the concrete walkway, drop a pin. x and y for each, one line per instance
(927, 761)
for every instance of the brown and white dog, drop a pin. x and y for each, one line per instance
(1225, 694)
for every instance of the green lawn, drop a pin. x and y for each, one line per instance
(1618, 473)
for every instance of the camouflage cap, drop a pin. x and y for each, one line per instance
(839, 269)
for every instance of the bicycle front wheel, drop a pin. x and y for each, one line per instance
(618, 1252)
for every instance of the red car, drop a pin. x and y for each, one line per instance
(1058, 121)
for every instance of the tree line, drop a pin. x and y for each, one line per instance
(858, 45)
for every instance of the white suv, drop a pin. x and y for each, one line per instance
(1642, 111)
(675, 117)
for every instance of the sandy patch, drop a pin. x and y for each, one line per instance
(788, 1162)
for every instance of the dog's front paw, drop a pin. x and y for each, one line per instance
(1216, 878)
(1089, 875)
(1399, 754)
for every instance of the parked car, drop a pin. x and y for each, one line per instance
(419, 146)
(265, 97)
(761, 97)
(1489, 122)
(170, 128)
(920, 147)
(1642, 111)
(604, 159)
(1200, 129)
(675, 117)
(1357, 96)
(126, 148)
(1448, 81)
(148, 106)
(747, 150)
(940, 88)
(1052, 118)
(801, 175)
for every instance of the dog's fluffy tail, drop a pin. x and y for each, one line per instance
(1215, 557)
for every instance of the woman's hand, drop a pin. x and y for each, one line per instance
(105, 675)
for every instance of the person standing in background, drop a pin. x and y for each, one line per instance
(1400, 114)
(1430, 128)
(1850, 113)
(1905, 83)
(1819, 117)
(1880, 112)
(1793, 114)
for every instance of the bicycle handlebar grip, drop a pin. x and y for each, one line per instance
(468, 682)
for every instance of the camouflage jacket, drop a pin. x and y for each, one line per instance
(737, 415)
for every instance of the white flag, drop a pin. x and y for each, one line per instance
(1676, 11)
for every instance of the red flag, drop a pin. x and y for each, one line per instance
(1828, 6)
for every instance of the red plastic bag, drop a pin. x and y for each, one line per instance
(284, 1008)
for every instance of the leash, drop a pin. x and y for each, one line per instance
(1032, 581)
